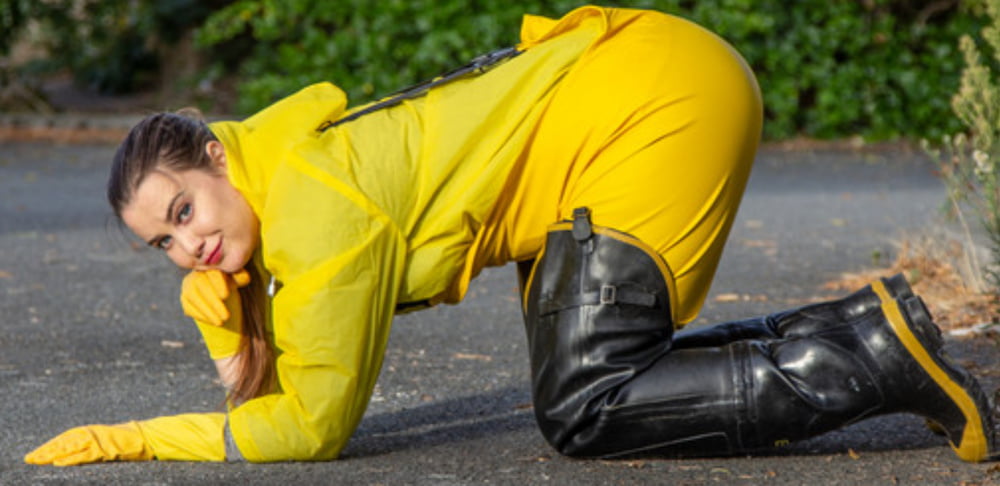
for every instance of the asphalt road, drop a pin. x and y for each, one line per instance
(92, 333)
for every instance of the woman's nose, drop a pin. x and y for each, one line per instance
(192, 244)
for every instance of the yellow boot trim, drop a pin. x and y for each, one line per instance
(973, 445)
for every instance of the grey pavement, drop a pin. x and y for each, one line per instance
(92, 333)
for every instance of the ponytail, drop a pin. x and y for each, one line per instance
(255, 371)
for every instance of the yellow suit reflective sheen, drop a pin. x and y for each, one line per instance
(647, 119)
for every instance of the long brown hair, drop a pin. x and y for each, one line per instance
(176, 142)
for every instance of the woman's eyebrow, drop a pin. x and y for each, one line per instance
(170, 210)
(170, 207)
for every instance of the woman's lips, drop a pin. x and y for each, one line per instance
(216, 255)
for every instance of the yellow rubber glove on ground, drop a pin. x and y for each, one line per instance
(204, 294)
(188, 437)
(93, 443)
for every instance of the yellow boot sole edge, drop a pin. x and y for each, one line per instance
(973, 446)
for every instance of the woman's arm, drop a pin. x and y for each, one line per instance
(227, 368)
(341, 269)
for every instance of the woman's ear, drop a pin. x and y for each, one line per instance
(217, 152)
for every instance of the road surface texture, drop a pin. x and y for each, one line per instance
(92, 332)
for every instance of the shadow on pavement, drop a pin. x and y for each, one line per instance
(454, 420)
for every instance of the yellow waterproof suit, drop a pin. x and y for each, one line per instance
(647, 119)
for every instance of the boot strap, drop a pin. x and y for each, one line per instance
(608, 295)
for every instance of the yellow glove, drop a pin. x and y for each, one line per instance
(204, 294)
(93, 443)
(210, 297)
(224, 340)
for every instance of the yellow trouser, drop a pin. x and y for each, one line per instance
(654, 130)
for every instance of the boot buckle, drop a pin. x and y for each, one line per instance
(609, 294)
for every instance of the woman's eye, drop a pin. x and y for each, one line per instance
(183, 213)
(164, 243)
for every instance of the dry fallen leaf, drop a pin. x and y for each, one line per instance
(727, 298)
(760, 243)
(731, 297)
(853, 455)
(928, 268)
(4, 274)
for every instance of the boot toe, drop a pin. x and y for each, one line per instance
(951, 397)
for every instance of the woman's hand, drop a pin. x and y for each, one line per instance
(223, 329)
(210, 297)
(204, 294)
(93, 443)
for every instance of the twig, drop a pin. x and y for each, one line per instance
(969, 254)
(928, 11)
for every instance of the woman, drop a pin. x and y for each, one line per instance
(607, 155)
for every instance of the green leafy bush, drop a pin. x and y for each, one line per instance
(828, 69)
(13, 15)
(109, 45)
(369, 48)
(880, 68)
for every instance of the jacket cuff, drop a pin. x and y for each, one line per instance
(188, 437)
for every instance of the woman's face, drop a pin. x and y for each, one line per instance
(196, 216)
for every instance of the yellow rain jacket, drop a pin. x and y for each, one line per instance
(407, 204)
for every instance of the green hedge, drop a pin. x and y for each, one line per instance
(827, 68)
(878, 68)
(112, 46)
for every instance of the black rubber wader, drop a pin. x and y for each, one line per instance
(607, 380)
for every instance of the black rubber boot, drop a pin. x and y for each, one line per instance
(796, 322)
(597, 313)
(918, 376)
(605, 381)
